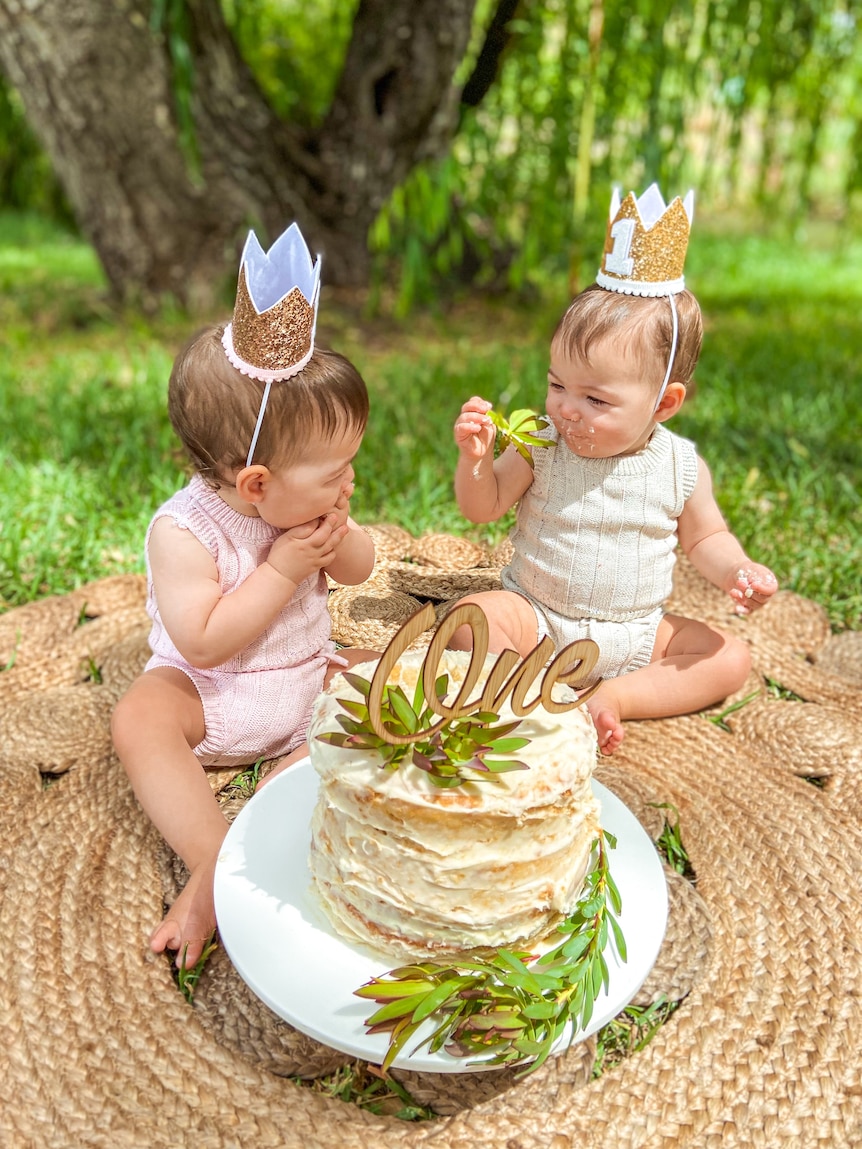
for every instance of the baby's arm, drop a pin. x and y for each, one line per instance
(485, 487)
(718, 554)
(208, 627)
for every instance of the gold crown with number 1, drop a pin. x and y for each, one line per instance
(646, 244)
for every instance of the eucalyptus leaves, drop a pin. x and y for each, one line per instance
(457, 751)
(511, 1006)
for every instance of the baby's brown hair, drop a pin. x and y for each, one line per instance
(597, 314)
(214, 407)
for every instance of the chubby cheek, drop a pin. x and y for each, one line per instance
(329, 499)
(314, 505)
(321, 508)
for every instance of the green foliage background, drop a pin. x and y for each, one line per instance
(754, 103)
(87, 452)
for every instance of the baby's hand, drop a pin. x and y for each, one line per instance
(474, 431)
(342, 505)
(309, 547)
(752, 586)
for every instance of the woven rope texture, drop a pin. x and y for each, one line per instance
(763, 952)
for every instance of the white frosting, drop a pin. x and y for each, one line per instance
(406, 866)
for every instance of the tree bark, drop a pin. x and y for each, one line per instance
(96, 83)
(487, 66)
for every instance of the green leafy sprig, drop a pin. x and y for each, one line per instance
(517, 430)
(455, 753)
(188, 976)
(513, 1006)
(669, 841)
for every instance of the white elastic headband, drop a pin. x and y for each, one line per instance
(259, 423)
(673, 344)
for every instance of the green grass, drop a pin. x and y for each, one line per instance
(363, 1085)
(189, 976)
(630, 1032)
(88, 452)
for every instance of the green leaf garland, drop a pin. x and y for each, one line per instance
(511, 1005)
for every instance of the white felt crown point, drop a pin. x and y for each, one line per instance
(272, 275)
(651, 206)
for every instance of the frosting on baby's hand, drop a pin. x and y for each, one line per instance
(754, 585)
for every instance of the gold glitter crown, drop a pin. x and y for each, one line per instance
(271, 336)
(646, 244)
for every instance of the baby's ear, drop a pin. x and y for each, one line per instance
(670, 402)
(251, 483)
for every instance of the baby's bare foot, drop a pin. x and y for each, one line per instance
(609, 728)
(190, 921)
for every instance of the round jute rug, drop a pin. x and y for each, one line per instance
(763, 951)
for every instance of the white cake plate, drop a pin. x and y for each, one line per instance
(282, 945)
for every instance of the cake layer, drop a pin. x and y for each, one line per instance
(406, 866)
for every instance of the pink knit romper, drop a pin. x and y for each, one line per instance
(258, 703)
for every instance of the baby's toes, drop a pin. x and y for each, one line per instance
(166, 936)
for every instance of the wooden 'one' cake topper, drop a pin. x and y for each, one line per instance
(571, 667)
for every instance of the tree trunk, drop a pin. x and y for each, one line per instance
(96, 82)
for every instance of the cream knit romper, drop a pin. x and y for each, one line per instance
(594, 544)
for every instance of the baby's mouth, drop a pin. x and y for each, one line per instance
(577, 437)
(576, 430)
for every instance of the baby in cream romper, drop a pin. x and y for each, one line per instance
(594, 545)
(608, 493)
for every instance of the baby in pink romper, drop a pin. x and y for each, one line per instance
(237, 564)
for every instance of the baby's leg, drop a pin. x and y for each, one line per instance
(155, 725)
(692, 666)
(511, 623)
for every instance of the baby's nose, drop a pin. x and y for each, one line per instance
(570, 413)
